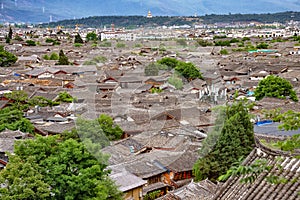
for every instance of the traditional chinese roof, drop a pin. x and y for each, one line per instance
(284, 166)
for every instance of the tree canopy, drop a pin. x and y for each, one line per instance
(274, 86)
(78, 39)
(91, 36)
(52, 168)
(235, 140)
(6, 58)
(187, 70)
(63, 59)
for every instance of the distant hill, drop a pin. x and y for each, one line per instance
(133, 21)
(40, 10)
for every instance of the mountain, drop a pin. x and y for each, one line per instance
(43, 10)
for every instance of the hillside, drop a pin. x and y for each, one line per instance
(40, 10)
(133, 21)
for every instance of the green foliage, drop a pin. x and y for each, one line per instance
(152, 195)
(245, 39)
(30, 43)
(289, 120)
(262, 45)
(222, 43)
(10, 33)
(41, 101)
(250, 172)
(63, 59)
(6, 58)
(219, 37)
(91, 36)
(274, 86)
(289, 144)
(77, 44)
(171, 63)
(65, 97)
(152, 69)
(54, 56)
(46, 57)
(18, 97)
(53, 41)
(156, 90)
(176, 81)
(138, 45)
(235, 140)
(111, 130)
(203, 43)
(223, 52)
(12, 119)
(7, 40)
(188, 70)
(23, 181)
(120, 45)
(55, 169)
(95, 60)
(78, 39)
(234, 40)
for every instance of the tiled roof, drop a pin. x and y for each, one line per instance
(283, 166)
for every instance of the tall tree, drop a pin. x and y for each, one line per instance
(10, 33)
(236, 140)
(64, 169)
(63, 59)
(78, 39)
(110, 129)
(6, 58)
(275, 86)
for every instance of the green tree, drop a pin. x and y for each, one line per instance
(223, 52)
(54, 56)
(10, 33)
(23, 181)
(110, 129)
(30, 43)
(78, 39)
(6, 58)
(91, 36)
(262, 46)
(151, 69)
(65, 168)
(188, 70)
(274, 86)
(176, 81)
(18, 98)
(65, 97)
(236, 140)
(63, 59)
(170, 62)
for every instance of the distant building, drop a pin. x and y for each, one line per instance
(121, 35)
(149, 15)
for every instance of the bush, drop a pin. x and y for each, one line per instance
(262, 46)
(224, 52)
(120, 45)
(30, 43)
(78, 45)
(54, 56)
(176, 81)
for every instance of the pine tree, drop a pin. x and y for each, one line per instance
(63, 59)
(10, 33)
(78, 39)
(236, 140)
